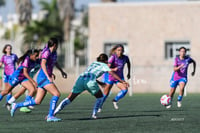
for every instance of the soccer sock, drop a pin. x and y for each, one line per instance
(1, 97)
(8, 97)
(97, 105)
(28, 98)
(180, 98)
(26, 103)
(64, 103)
(12, 99)
(104, 99)
(52, 107)
(120, 95)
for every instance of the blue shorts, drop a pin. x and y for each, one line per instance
(42, 80)
(13, 81)
(108, 81)
(6, 78)
(174, 84)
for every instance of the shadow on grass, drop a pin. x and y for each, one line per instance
(116, 117)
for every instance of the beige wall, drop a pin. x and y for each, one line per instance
(146, 27)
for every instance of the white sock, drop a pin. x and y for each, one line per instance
(12, 99)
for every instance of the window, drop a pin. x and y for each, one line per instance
(172, 48)
(109, 45)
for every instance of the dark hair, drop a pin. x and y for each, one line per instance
(4, 49)
(183, 48)
(28, 53)
(102, 58)
(115, 47)
(52, 41)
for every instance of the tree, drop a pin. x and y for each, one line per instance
(2, 3)
(66, 13)
(50, 26)
(24, 9)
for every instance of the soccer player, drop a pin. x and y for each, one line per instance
(9, 61)
(88, 81)
(1, 79)
(45, 81)
(179, 76)
(22, 90)
(116, 62)
(21, 74)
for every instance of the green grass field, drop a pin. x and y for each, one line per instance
(141, 113)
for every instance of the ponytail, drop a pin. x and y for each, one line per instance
(52, 41)
(28, 53)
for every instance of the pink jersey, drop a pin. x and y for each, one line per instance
(51, 59)
(182, 73)
(27, 63)
(114, 61)
(9, 62)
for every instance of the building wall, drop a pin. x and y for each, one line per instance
(146, 27)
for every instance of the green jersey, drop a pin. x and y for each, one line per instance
(95, 70)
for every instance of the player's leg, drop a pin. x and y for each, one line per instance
(38, 99)
(27, 85)
(52, 89)
(17, 95)
(106, 92)
(93, 88)
(9, 95)
(77, 89)
(6, 79)
(180, 97)
(65, 102)
(99, 101)
(31, 89)
(14, 97)
(173, 85)
(6, 91)
(120, 95)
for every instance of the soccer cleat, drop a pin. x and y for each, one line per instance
(31, 107)
(53, 119)
(168, 106)
(13, 109)
(179, 104)
(8, 106)
(99, 110)
(94, 116)
(25, 110)
(115, 105)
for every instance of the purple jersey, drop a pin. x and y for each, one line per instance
(182, 73)
(51, 59)
(27, 63)
(9, 62)
(114, 61)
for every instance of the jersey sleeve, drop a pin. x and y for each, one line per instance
(190, 60)
(127, 59)
(25, 62)
(45, 54)
(111, 59)
(105, 68)
(16, 58)
(176, 62)
(2, 59)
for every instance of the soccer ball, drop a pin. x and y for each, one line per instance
(165, 100)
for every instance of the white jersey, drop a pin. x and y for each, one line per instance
(95, 70)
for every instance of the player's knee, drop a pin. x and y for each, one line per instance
(57, 94)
